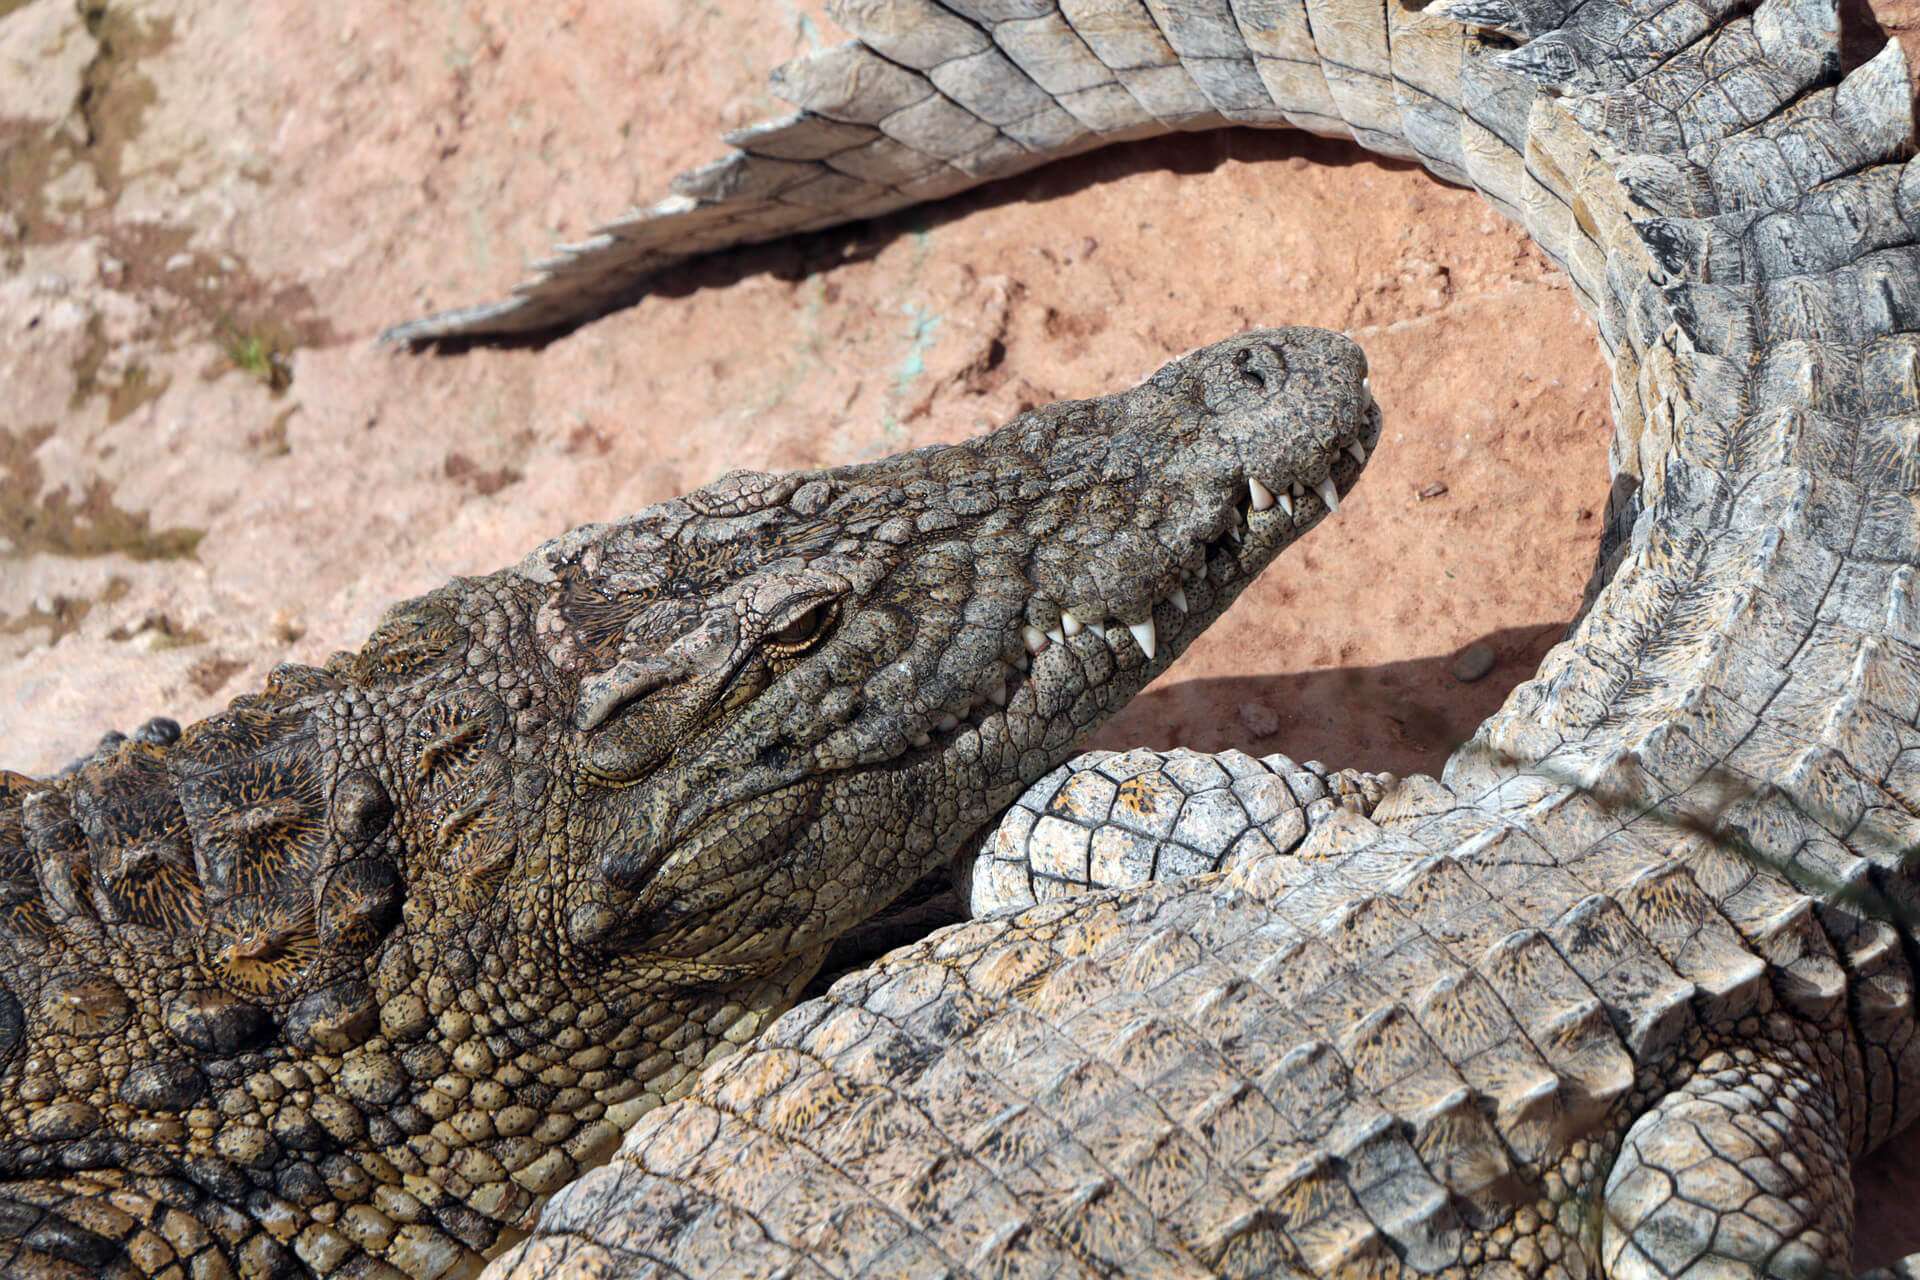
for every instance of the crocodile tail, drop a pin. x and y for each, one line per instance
(933, 99)
(1740, 218)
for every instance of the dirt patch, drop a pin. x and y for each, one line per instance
(115, 93)
(124, 390)
(272, 441)
(114, 97)
(31, 157)
(211, 674)
(256, 323)
(197, 296)
(484, 481)
(158, 632)
(62, 615)
(57, 523)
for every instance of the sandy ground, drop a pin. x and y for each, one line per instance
(210, 207)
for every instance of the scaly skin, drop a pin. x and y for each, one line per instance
(1109, 819)
(1628, 988)
(352, 975)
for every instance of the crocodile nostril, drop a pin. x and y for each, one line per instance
(1261, 365)
(1243, 362)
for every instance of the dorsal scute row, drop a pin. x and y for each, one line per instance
(1751, 67)
(1825, 229)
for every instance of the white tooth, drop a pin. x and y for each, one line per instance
(1025, 663)
(1358, 452)
(1261, 495)
(998, 695)
(1070, 624)
(1143, 636)
(1328, 494)
(1098, 628)
(1036, 640)
(1055, 635)
(1296, 490)
(948, 723)
(1179, 598)
(922, 740)
(1286, 505)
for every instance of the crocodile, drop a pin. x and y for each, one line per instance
(1629, 988)
(345, 979)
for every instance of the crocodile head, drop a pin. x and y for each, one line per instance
(798, 693)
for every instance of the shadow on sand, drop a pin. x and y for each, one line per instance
(1397, 717)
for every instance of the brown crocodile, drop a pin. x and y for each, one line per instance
(1626, 990)
(347, 978)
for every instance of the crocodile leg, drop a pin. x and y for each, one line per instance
(1107, 819)
(1741, 1170)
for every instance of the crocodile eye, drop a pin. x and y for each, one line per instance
(804, 631)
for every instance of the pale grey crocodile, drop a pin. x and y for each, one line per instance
(1630, 986)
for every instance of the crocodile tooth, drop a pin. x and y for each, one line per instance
(1098, 628)
(1055, 635)
(1296, 490)
(1143, 635)
(1178, 597)
(922, 739)
(1359, 452)
(997, 694)
(1286, 505)
(1036, 640)
(1328, 494)
(1024, 663)
(948, 722)
(1262, 497)
(1070, 624)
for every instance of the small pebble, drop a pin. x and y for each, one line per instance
(1258, 720)
(1474, 661)
(1432, 491)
